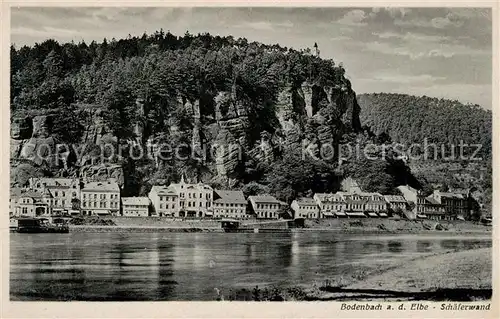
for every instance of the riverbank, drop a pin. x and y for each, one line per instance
(404, 226)
(450, 276)
(456, 276)
(342, 226)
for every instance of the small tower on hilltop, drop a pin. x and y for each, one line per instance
(316, 49)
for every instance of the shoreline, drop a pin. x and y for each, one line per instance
(454, 275)
(464, 275)
(354, 231)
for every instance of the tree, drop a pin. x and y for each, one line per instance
(53, 65)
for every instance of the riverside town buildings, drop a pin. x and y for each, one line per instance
(396, 202)
(438, 205)
(101, 198)
(182, 200)
(164, 200)
(15, 193)
(69, 196)
(62, 195)
(32, 204)
(305, 208)
(230, 204)
(330, 205)
(135, 206)
(265, 206)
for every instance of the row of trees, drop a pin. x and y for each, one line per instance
(411, 119)
(157, 69)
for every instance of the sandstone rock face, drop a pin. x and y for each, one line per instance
(228, 156)
(351, 114)
(306, 92)
(40, 148)
(307, 115)
(284, 110)
(21, 128)
(231, 115)
(42, 126)
(196, 137)
(102, 173)
(263, 149)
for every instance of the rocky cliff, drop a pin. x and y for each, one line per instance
(224, 134)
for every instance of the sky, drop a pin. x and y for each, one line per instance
(438, 52)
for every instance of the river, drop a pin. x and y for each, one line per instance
(189, 266)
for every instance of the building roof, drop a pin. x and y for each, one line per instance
(32, 194)
(330, 197)
(395, 198)
(450, 195)
(164, 190)
(107, 186)
(408, 187)
(432, 201)
(306, 201)
(141, 201)
(264, 199)
(183, 186)
(55, 182)
(227, 196)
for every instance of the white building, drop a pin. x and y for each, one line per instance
(31, 204)
(135, 206)
(101, 198)
(63, 194)
(375, 202)
(229, 204)
(396, 202)
(15, 194)
(305, 208)
(455, 204)
(265, 206)
(164, 200)
(182, 200)
(330, 205)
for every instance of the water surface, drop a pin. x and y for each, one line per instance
(189, 266)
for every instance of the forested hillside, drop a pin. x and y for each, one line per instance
(199, 90)
(410, 119)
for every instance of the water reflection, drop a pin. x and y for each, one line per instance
(395, 246)
(183, 266)
(423, 246)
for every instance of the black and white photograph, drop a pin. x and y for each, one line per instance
(257, 154)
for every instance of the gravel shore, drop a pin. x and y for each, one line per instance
(462, 275)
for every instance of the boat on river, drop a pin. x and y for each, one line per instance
(39, 225)
(230, 225)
